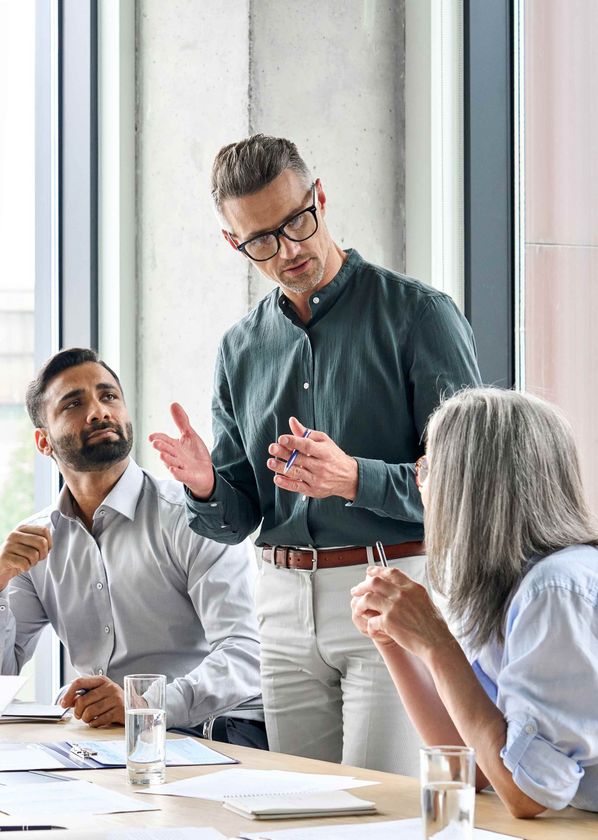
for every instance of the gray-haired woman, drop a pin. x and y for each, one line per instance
(512, 544)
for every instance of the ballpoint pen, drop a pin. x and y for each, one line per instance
(30, 827)
(295, 452)
(381, 554)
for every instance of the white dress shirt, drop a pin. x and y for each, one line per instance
(544, 679)
(141, 593)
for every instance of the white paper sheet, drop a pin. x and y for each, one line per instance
(388, 830)
(26, 756)
(227, 783)
(9, 686)
(59, 798)
(179, 751)
(199, 833)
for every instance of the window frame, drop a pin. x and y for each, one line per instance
(66, 221)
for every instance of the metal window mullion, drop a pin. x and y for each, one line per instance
(78, 174)
(519, 189)
(46, 310)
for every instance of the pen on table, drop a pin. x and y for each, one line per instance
(295, 452)
(381, 554)
(30, 827)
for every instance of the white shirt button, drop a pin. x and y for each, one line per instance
(106, 629)
(303, 498)
(2, 607)
(102, 511)
(306, 385)
(101, 672)
(213, 504)
(316, 300)
(99, 585)
(530, 729)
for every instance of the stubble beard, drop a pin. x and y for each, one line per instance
(307, 281)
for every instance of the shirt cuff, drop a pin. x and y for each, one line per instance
(371, 480)
(539, 769)
(177, 712)
(213, 511)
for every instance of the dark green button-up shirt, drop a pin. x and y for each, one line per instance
(368, 369)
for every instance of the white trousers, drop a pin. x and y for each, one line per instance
(327, 693)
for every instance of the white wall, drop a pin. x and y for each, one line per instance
(331, 77)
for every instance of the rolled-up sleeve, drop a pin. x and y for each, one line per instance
(547, 690)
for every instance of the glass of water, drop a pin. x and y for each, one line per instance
(447, 792)
(145, 728)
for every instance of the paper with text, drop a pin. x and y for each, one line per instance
(179, 752)
(225, 784)
(70, 797)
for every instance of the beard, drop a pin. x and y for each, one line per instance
(82, 455)
(304, 282)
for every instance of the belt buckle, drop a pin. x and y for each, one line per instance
(287, 548)
(314, 558)
(273, 561)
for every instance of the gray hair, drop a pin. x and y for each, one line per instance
(251, 164)
(504, 490)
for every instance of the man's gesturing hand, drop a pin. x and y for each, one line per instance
(321, 468)
(102, 705)
(23, 548)
(187, 457)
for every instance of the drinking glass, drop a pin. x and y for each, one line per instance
(447, 792)
(145, 728)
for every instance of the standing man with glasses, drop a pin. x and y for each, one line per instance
(342, 363)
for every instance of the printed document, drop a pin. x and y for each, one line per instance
(225, 784)
(60, 798)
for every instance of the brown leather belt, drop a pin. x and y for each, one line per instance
(309, 559)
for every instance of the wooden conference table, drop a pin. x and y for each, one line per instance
(397, 797)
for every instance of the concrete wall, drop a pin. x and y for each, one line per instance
(329, 76)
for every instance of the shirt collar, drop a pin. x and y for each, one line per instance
(122, 498)
(329, 294)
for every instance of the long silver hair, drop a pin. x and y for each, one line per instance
(504, 490)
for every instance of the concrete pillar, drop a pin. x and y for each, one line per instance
(331, 77)
(192, 71)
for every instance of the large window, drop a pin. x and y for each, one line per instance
(17, 267)
(558, 124)
(17, 257)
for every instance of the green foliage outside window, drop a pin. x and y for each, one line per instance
(17, 490)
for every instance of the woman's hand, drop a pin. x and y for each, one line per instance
(361, 616)
(389, 606)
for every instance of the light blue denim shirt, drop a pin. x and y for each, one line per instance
(545, 680)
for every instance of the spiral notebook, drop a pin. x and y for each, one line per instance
(283, 806)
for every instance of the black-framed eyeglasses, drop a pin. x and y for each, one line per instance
(298, 228)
